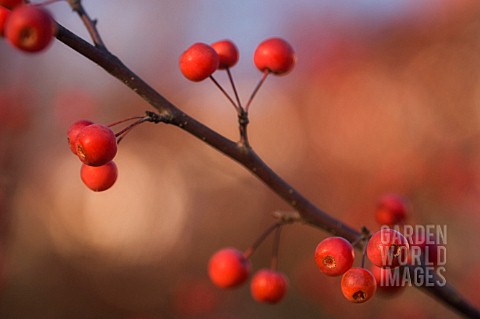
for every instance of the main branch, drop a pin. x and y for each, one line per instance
(242, 154)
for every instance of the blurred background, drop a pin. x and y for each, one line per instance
(385, 98)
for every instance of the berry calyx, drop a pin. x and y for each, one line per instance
(388, 248)
(391, 210)
(30, 28)
(268, 286)
(334, 256)
(358, 285)
(228, 268)
(73, 131)
(227, 53)
(99, 178)
(198, 62)
(96, 145)
(274, 55)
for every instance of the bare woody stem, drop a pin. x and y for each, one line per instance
(90, 24)
(245, 156)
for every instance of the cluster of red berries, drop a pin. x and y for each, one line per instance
(27, 27)
(335, 256)
(386, 249)
(230, 268)
(96, 146)
(201, 60)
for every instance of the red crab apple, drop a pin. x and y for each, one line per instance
(228, 268)
(30, 28)
(73, 131)
(99, 178)
(96, 144)
(227, 52)
(334, 256)
(198, 62)
(268, 286)
(388, 248)
(358, 285)
(275, 55)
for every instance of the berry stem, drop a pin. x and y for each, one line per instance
(276, 245)
(121, 134)
(259, 84)
(225, 93)
(364, 251)
(230, 78)
(250, 250)
(125, 120)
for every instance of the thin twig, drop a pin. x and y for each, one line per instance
(90, 24)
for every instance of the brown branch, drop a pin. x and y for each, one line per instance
(244, 155)
(90, 25)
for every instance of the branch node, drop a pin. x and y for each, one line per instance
(155, 117)
(288, 217)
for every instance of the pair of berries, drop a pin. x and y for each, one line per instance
(229, 268)
(334, 256)
(96, 146)
(29, 28)
(201, 60)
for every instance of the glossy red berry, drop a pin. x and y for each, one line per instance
(4, 14)
(334, 256)
(358, 285)
(388, 248)
(227, 52)
(198, 62)
(228, 268)
(275, 55)
(391, 210)
(10, 3)
(99, 178)
(30, 28)
(268, 286)
(73, 131)
(96, 145)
